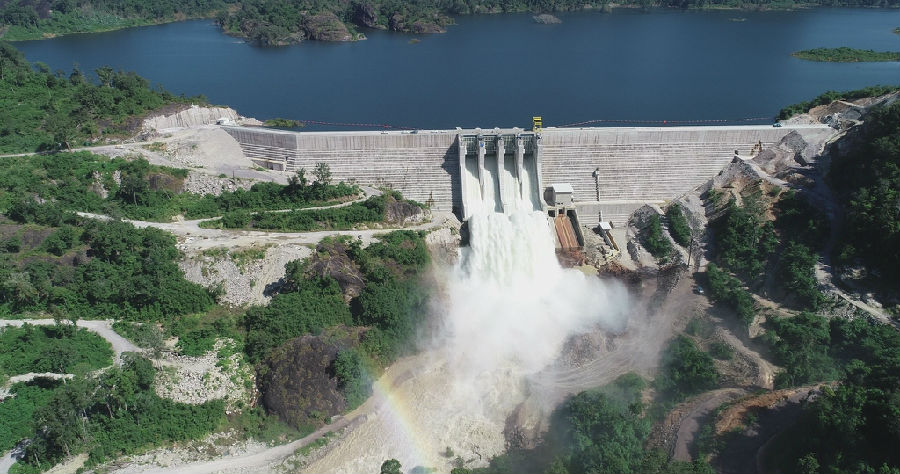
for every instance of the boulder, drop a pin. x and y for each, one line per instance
(300, 386)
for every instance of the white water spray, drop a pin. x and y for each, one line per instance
(512, 305)
(508, 309)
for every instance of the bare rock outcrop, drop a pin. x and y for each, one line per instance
(193, 116)
(202, 183)
(243, 278)
(443, 245)
(546, 19)
(364, 14)
(326, 27)
(398, 22)
(402, 212)
(331, 260)
(300, 385)
(196, 380)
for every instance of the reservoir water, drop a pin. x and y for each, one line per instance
(500, 70)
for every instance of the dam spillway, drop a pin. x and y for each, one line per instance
(612, 170)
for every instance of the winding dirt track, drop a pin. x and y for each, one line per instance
(103, 328)
(191, 235)
(703, 404)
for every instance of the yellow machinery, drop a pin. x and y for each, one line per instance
(537, 124)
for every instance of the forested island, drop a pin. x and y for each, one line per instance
(847, 55)
(272, 22)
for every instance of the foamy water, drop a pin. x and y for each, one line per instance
(509, 309)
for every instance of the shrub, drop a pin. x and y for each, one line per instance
(726, 289)
(353, 377)
(796, 273)
(678, 225)
(721, 350)
(686, 370)
(654, 241)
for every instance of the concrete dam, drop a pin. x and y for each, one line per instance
(610, 171)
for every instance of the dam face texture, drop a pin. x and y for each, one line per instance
(612, 170)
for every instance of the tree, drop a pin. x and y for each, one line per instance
(391, 466)
(322, 173)
(297, 182)
(63, 130)
(105, 74)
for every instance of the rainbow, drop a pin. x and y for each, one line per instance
(395, 411)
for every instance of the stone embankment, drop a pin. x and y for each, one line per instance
(202, 183)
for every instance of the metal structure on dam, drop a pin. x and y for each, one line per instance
(612, 170)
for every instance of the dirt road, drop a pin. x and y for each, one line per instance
(103, 328)
(191, 235)
(699, 408)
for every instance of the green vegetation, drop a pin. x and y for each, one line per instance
(61, 349)
(846, 55)
(852, 427)
(747, 244)
(143, 335)
(866, 179)
(796, 273)
(393, 300)
(599, 431)
(744, 239)
(283, 123)
(654, 241)
(686, 370)
(721, 351)
(828, 97)
(726, 289)
(271, 22)
(309, 305)
(678, 225)
(36, 20)
(197, 333)
(138, 190)
(17, 412)
(346, 217)
(353, 377)
(127, 273)
(40, 110)
(107, 416)
(391, 466)
(387, 310)
(812, 348)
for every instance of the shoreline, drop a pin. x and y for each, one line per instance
(360, 36)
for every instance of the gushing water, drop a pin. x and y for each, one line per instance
(512, 306)
(508, 308)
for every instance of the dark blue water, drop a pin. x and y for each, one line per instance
(500, 70)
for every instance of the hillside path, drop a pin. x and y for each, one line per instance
(102, 328)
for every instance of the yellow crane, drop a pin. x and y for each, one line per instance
(537, 124)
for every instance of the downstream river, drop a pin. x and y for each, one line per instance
(500, 70)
